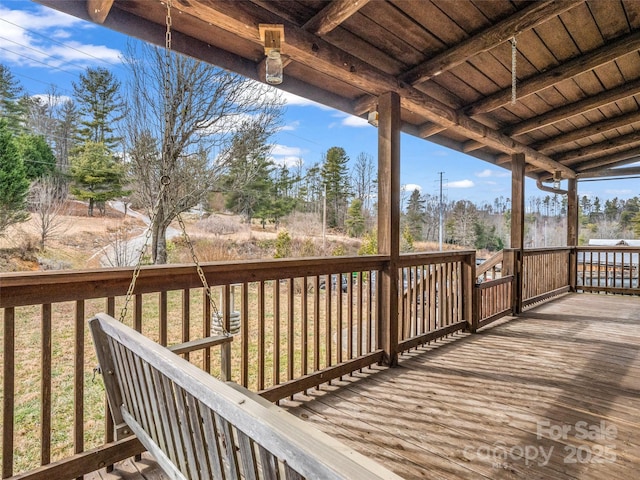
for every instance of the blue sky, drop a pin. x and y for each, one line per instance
(43, 48)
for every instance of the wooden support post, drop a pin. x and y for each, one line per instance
(469, 301)
(389, 222)
(572, 231)
(517, 226)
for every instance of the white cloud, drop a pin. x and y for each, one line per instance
(410, 187)
(461, 184)
(289, 161)
(487, 172)
(291, 126)
(45, 99)
(294, 100)
(27, 41)
(353, 121)
(284, 150)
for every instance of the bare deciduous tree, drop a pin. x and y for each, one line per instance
(180, 123)
(46, 201)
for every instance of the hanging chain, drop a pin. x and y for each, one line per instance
(514, 78)
(168, 141)
(164, 181)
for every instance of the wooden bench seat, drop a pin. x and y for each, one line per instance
(198, 427)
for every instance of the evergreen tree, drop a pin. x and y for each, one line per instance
(100, 105)
(336, 182)
(355, 219)
(36, 155)
(97, 176)
(12, 104)
(14, 184)
(415, 216)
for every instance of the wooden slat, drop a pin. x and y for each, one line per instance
(333, 15)
(8, 390)
(45, 386)
(199, 344)
(606, 53)
(525, 19)
(78, 379)
(88, 461)
(319, 377)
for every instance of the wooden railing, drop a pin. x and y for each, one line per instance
(302, 323)
(493, 299)
(435, 296)
(608, 270)
(545, 273)
(491, 268)
(298, 328)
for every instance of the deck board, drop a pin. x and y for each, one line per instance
(451, 405)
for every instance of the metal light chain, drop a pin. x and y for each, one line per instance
(164, 181)
(203, 278)
(514, 51)
(167, 138)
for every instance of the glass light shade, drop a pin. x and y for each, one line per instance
(274, 68)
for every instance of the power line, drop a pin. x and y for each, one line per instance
(51, 40)
(37, 61)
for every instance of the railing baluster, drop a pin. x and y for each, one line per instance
(45, 387)
(291, 337)
(244, 332)
(261, 317)
(304, 315)
(186, 317)
(8, 391)
(276, 332)
(78, 380)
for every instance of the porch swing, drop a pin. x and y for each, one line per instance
(221, 326)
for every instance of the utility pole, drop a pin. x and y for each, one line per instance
(440, 214)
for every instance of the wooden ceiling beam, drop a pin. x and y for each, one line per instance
(610, 172)
(428, 129)
(588, 131)
(242, 19)
(574, 156)
(527, 18)
(333, 15)
(625, 157)
(625, 90)
(600, 56)
(99, 9)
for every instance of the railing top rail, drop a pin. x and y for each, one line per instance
(608, 248)
(35, 288)
(426, 258)
(491, 262)
(537, 251)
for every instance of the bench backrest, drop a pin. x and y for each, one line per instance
(198, 427)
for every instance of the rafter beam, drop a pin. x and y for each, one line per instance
(631, 155)
(527, 18)
(610, 172)
(99, 9)
(600, 56)
(575, 156)
(588, 131)
(312, 51)
(333, 15)
(577, 108)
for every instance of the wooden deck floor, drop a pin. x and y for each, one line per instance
(515, 400)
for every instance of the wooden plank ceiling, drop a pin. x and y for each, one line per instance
(577, 67)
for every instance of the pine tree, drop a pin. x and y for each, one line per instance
(100, 105)
(14, 184)
(355, 219)
(336, 181)
(415, 216)
(12, 105)
(97, 176)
